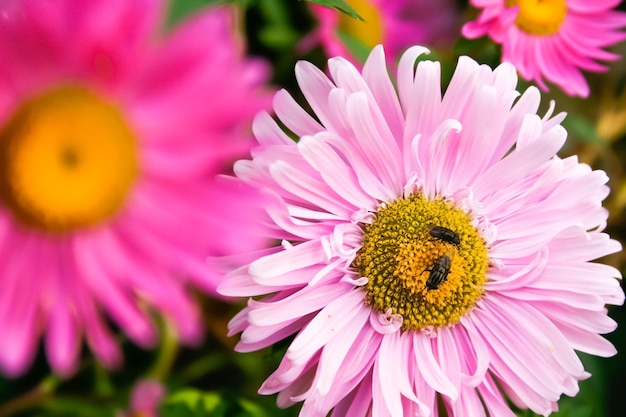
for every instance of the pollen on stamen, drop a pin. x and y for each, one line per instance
(399, 254)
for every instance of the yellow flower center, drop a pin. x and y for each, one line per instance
(539, 17)
(424, 261)
(68, 159)
(369, 31)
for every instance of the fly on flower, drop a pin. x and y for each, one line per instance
(382, 161)
(441, 267)
(438, 272)
(444, 234)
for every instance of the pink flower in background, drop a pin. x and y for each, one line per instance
(554, 39)
(110, 138)
(436, 254)
(395, 24)
(144, 399)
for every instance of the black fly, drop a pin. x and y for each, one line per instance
(439, 272)
(445, 234)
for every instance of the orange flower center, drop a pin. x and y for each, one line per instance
(68, 160)
(368, 31)
(539, 17)
(430, 279)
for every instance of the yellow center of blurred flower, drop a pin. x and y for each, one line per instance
(424, 261)
(539, 17)
(68, 159)
(369, 31)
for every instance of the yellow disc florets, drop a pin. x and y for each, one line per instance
(368, 31)
(539, 17)
(424, 261)
(67, 160)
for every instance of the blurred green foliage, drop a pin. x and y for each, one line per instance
(339, 5)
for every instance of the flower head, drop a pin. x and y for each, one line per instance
(554, 39)
(144, 399)
(434, 246)
(110, 139)
(395, 24)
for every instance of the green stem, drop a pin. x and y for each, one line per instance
(167, 354)
(32, 398)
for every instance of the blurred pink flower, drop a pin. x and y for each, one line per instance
(110, 138)
(395, 24)
(144, 399)
(555, 39)
(436, 250)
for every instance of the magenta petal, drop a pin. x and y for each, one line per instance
(63, 340)
(143, 259)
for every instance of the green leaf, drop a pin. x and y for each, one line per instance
(277, 32)
(358, 49)
(340, 5)
(279, 37)
(176, 410)
(251, 409)
(198, 403)
(581, 128)
(75, 407)
(182, 8)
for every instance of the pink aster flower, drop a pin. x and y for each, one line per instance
(110, 137)
(435, 246)
(554, 39)
(144, 400)
(395, 24)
